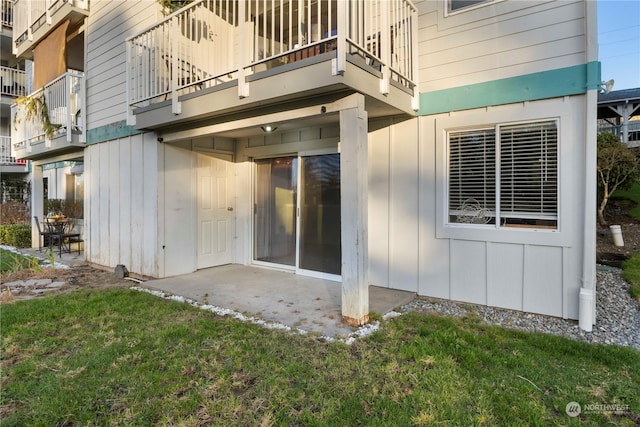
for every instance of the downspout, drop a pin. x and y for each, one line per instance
(587, 296)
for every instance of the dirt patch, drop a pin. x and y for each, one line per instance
(83, 276)
(617, 214)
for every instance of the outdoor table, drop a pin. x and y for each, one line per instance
(59, 229)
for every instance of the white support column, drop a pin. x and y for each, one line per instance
(353, 200)
(37, 203)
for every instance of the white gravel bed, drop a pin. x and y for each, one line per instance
(617, 317)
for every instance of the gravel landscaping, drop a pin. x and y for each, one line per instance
(617, 322)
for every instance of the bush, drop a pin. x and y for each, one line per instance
(69, 208)
(14, 212)
(18, 236)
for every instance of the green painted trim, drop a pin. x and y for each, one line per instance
(111, 131)
(58, 165)
(573, 80)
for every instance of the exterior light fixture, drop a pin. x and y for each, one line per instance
(605, 87)
(268, 128)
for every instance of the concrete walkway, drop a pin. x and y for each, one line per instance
(298, 301)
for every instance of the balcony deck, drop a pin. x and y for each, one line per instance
(216, 57)
(64, 101)
(8, 163)
(34, 19)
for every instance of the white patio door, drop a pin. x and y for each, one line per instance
(216, 213)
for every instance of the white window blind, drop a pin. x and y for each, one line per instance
(529, 171)
(506, 176)
(472, 175)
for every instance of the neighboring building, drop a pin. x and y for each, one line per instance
(619, 113)
(12, 85)
(445, 148)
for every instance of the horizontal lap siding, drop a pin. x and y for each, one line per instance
(500, 40)
(110, 23)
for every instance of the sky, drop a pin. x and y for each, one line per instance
(619, 42)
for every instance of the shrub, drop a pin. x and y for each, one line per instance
(15, 235)
(70, 208)
(14, 212)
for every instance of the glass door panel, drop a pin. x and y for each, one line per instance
(275, 210)
(320, 248)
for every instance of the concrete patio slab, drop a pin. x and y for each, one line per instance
(297, 301)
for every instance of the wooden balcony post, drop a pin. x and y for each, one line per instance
(243, 85)
(176, 108)
(385, 48)
(67, 101)
(415, 101)
(340, 63)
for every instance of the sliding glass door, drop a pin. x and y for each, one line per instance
(320, 248)
(297, 213)
(275, 210)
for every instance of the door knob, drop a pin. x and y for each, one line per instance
(229, 208)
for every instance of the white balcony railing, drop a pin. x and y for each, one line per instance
(5, 153)
(209, 42)
(30, 15)
(6, 9)
(631, 129)
(12, 82)
(63, 98)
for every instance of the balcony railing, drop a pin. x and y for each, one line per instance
(210, 42)
(63, 98)
(6, 9)
(5, 153)
(12, 82)
(632, 128)
(30, 15)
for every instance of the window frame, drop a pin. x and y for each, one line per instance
(498, 221)
(448, 8)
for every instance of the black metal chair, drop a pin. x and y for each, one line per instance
(45, 238)
(68, 237)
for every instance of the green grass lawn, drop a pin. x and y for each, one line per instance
(121, 357)
(10, 261)
(631, 273)
(631, 267)
(632, 194)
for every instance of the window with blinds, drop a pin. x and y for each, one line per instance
(472, 176)
(505, 176)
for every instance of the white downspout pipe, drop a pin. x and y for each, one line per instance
(587, 296)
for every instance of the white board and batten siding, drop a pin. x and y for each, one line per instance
(412, 248)
(109, 25)
(122, 212)
(497, 40)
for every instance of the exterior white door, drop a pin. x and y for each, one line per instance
(215, 211)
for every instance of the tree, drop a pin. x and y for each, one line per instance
(617, 169)
(170, 6)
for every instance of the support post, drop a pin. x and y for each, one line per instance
(37, 202)
(353, 200)
(340, 63)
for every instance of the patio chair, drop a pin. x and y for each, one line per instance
(45, 238)
(70, 236)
